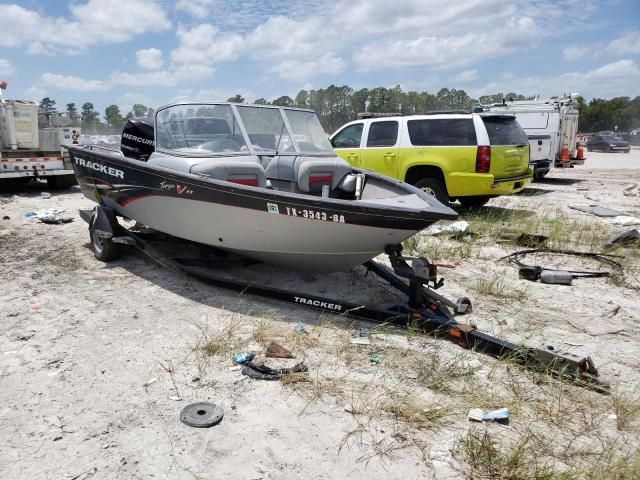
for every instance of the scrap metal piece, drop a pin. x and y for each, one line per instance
(201, 414)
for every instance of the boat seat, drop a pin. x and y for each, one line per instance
(244, 170)
(309, 174)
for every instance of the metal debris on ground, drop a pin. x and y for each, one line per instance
(275, 350)
(624, 237)
(559, 276)
(262, 372)
(362, 338)
(501, 415)
(597, 210)
(45, 195)
(201, 414)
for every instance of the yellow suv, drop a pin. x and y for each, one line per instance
(470, 157)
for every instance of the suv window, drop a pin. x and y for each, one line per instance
(449, 131)
(505, 131)
(349, 137)
(382, 134)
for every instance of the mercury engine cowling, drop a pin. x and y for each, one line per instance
(137, 138)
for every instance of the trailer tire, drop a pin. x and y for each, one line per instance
(103, 248)
(61, 181)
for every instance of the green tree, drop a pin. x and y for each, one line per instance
(114, 120)
(47, 105)
(261, 101)
(90, 118)
(236, 99)
(284, 101)
(72, 112)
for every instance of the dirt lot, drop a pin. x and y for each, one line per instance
(97, 360)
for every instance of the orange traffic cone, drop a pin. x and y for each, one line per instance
(564, 154)
(580, 153)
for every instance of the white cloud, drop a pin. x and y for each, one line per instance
(91, 23)
(126, 101)
(149, 58)
(6, 68)
(69, 82)
(281, 38)
(197, 8)
(576, 52)
(300, 71)
(466, 76)
(162, 77)
(621, 78)
(629, 43)
(35, 93)
(448, 51)
(204, 44)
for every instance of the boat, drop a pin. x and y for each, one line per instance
(258, 181)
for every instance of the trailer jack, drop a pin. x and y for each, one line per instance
(424, 309)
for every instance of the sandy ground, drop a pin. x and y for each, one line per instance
(97, 360)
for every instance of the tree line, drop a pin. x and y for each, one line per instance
(337, 105)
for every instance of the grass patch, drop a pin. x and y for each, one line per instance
(497, 285)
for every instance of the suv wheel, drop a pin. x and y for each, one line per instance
(474, 202)
(433, 187)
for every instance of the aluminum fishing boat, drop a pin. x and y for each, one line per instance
(258, 181)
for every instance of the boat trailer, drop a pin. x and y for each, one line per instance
(424, 310)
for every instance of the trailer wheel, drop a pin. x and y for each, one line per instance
(463, 305)
(103, 248)
(61, 181)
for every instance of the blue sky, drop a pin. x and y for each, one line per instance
(157, 51)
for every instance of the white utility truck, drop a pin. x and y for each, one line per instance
(551, 126)
(31, 148)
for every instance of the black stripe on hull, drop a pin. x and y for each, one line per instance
(124, 181)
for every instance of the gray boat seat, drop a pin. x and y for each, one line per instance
(244, 170)
(309, 174)
(235, 171)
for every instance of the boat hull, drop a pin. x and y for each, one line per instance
(300, 232)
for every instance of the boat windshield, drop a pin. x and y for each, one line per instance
(199, 130)
(308, 133)
(266, 129)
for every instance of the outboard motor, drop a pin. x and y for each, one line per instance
(137, 138)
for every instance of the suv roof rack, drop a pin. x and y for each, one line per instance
(441, 112)
(363, 115)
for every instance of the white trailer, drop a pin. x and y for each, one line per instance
(551, 126)
(28, 152)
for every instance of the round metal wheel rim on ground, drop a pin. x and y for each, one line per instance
(201, 414)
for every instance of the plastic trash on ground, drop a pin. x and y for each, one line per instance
(501, 415)
(242, 358)
(455, 227)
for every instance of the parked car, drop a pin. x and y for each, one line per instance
(471, 157)
(608, 143)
